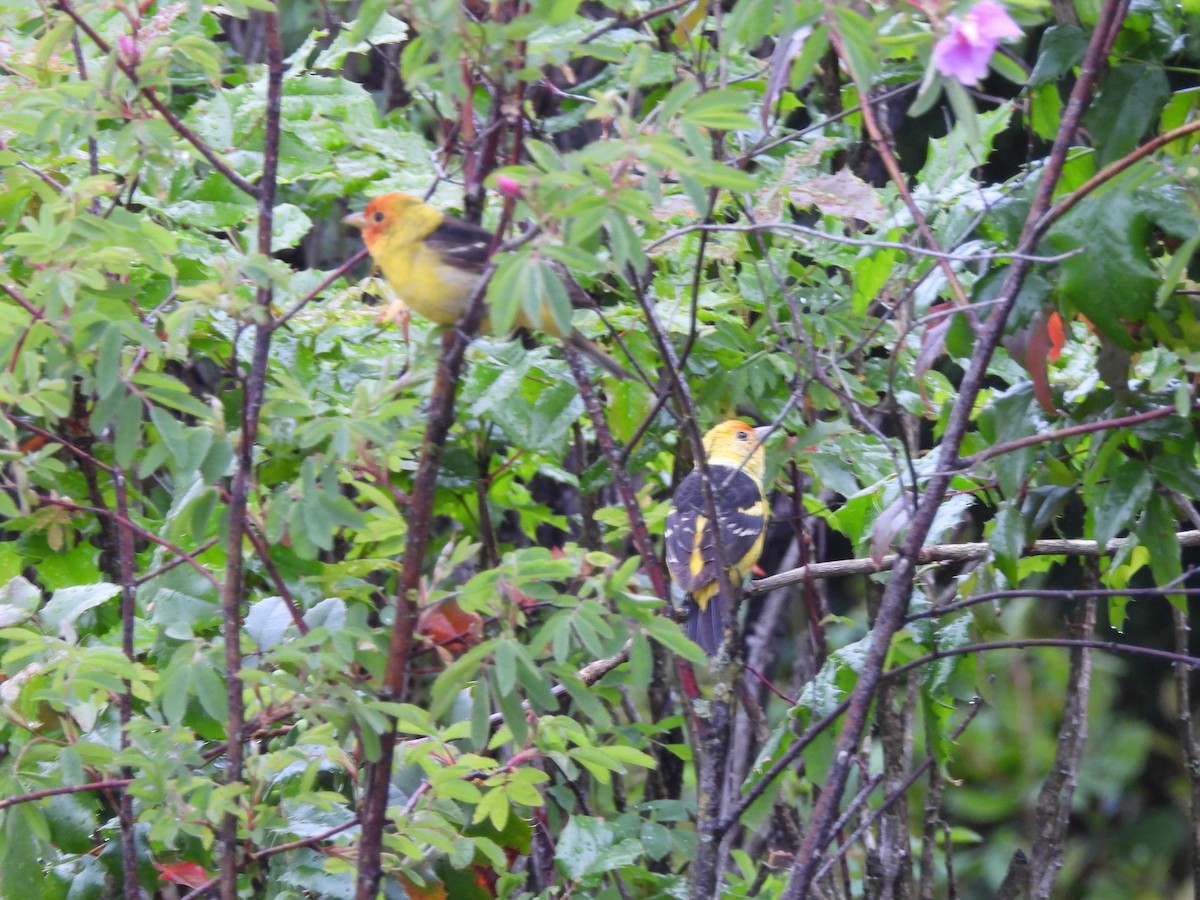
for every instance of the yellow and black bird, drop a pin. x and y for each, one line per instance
(735, 456)
(433, 262)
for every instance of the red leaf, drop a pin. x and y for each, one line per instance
(448, 626)
(1057, 332)
(189, 874)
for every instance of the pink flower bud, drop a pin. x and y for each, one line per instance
(508, 187)
(128, 50)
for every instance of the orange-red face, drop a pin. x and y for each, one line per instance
(380, 216)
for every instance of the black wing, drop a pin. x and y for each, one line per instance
(461, 244)
(741, 512)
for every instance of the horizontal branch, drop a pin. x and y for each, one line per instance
(816, 233)
(947, 553)
(108, 784)
(1059, 434)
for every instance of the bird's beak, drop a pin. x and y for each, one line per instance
(762, 432)
(356, 220)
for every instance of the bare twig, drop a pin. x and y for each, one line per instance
(1113, 169)
(1043, 437)
(1054, 800)
(957, 553)
(634, 21)
(420, 515)
(816, 233)
(125, 563)
(1183, 701)
(125, 522)
(896, 596)
(202, 890)
(321, 285)
(161, 108)
(232, 590)
(107, 784)
(884, 148)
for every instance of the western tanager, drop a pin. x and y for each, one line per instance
(735, 468)
(433, 262)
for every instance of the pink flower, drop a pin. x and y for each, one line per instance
(508, 187)
(128, 50)
(964, 51)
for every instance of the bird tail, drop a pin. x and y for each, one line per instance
(596, 355)
(706, 622)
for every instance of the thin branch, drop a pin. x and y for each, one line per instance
(1061, 433)
(1053, 812)
(956, 553)
(259, 855)
(793, 228)
(263, 550)
(629, 499)
(233, 590)
(125, 561)
(161, 108)
(419, 516)
(816, 728)
(895, 599)
(634, 22)
(321, 285)
(1183, 717)
(57, 439)
(136, 529)
(1067, 595)
(1112, 170)
(892, 165)
(33, 796)
(178, 561)
(899, 791)
(38, 314)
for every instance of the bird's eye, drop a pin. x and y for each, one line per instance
(378, 217)
(742, 436)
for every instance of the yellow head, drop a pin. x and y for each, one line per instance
(392, 221)
(734, 443)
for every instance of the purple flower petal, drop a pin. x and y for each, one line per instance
(964, 51)
(957, 57)
(992, 21)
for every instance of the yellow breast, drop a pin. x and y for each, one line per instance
(428, 286)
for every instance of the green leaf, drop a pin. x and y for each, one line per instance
(127, 423)
(1131, 98)
(21, 875)
(1061, 49)
(267, 622)
(18, 601)
(1007, 539)
(588, 847)
(1112, 281)
(668, 634)
(505, 668)
(69, 603)
(1118, 501)
(1156, 532)
(720, 109)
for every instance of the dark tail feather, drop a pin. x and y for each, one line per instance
(596, 355)
(706, 626)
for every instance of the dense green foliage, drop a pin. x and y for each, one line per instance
(705, 187)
